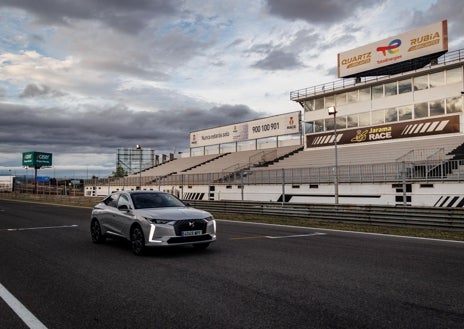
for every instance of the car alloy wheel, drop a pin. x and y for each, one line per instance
(96, 232)
(137, 240)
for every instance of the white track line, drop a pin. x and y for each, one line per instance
(293, 236)
(37, 228)
(24, 314)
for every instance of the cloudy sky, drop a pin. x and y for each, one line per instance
(82, 78)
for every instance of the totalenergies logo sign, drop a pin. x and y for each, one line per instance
(428, 40)
(392, 47)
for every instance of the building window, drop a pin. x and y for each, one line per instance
(352, 121)
(405, 113)
(340, 99)
(404, 86)
(318, 126)
(341, 122)
(421, 82)
(454, 75)
(309, 127)
(352, 96)
(365, 94)
(319, 103)
(454, 105)
(421, 110)
(364, 119)
(391, 115)
(377, 92)
(329, 124)
(309, 105)
(437, 79)
(391, 89)
(437, 107)
(329, 101)
(378, 117)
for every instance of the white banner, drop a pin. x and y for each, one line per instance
(284, 124)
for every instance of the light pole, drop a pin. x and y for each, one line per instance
(333, 111)
(139, 147)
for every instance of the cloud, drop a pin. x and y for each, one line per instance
(33, 90)
(106, 129)
(317, 12)
(121, 15)
(279, 60)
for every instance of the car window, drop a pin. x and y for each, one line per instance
(155, 200)
(111, 200)
(123, 201)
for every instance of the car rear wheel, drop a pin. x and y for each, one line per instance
(96, 232)
(137, 241)
(201, 246)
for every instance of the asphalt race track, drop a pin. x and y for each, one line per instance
(254, 276)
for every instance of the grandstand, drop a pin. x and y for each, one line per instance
(400, 140)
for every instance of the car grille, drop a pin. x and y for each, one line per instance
(190, 225)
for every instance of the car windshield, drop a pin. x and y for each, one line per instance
(155, 200)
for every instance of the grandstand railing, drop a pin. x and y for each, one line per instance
(447, 58)
(392, 172)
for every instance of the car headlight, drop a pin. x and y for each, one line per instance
(209, 219)
(158, 221)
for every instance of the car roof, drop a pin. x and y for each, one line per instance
(142, 192)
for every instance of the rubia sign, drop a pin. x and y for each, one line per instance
(432, 126)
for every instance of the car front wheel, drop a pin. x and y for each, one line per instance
(96, 232)
(137, 241)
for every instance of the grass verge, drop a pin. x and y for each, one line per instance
(335, 225)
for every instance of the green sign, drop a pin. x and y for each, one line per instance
(37, 159)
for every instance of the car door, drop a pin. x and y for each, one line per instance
(122, 218)
(106, 213)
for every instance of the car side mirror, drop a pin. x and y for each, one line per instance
(123, 207)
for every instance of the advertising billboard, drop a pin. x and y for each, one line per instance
(367, 60)
(37, 159)
(284, 124)
(426, 127)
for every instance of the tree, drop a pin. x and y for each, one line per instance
(120, 172)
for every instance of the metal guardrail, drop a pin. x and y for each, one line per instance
(423, 217)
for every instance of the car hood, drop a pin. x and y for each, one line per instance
(172, 213)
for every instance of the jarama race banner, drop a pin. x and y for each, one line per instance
(434, 126)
